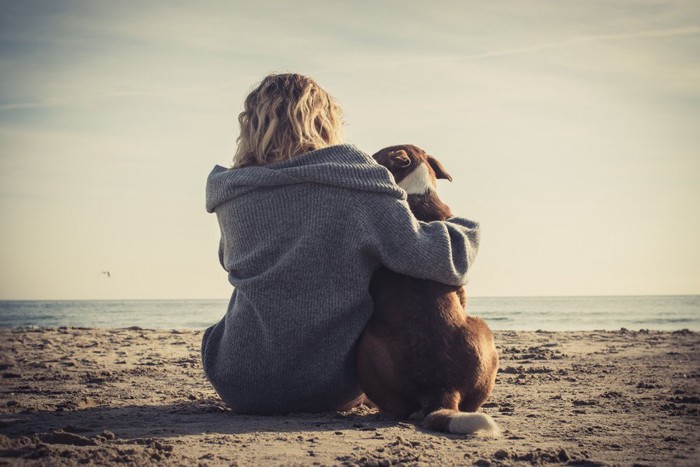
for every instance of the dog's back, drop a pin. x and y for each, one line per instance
(420, 355)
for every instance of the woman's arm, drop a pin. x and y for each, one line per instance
(441, 251)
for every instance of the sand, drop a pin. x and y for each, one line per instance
(108, 396)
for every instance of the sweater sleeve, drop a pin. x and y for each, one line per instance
(442, 251)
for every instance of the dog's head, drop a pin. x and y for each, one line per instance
(413, 169)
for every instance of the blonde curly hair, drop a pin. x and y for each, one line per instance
(284, 116)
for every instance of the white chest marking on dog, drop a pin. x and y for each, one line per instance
(417, 182)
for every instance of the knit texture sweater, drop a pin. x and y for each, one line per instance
(300, 240)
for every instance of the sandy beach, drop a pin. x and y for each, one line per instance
(108, 396)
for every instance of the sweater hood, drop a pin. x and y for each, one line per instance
(342, 166)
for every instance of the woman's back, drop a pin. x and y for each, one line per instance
(292, 252)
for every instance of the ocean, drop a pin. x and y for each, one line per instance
(663, 313)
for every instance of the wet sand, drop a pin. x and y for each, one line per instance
(107, 396)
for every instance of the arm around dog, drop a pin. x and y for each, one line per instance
(442, 251)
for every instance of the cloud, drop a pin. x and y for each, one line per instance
(575, 40)
(155, 91)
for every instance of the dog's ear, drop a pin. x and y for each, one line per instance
(440, 171)
(399, 158)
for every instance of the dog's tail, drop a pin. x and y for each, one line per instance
(453, 421)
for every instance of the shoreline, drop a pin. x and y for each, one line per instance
(136, 395)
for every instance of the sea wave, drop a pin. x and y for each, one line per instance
(501, 313)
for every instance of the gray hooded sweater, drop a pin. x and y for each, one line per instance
(300, 240)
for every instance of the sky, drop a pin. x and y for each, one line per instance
(570, 130)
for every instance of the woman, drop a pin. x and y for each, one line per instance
(305, 221)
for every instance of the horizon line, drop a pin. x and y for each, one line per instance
(228, 298)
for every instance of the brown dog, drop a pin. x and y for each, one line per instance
(421, 356)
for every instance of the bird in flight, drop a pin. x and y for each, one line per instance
(106, 273)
